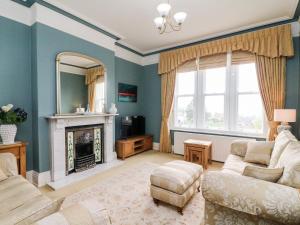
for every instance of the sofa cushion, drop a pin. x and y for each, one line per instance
(236, 164)
(281, 141)
(176, 176)
(22, 203)
(267, 174)
(2, 175)
(259, 152)
(8, 164)
(290, 160)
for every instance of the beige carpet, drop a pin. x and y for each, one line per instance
(126, 196)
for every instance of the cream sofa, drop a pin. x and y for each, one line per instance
(22, 203)
(231, 198)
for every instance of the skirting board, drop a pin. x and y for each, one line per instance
(156, 147)
(38, 179)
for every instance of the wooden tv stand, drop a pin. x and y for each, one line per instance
(134, 145)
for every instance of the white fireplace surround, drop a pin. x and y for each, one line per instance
(57, 139)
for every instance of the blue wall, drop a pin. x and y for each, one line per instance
(130, 73)
(74, 92)
(27, 79)
(152, 100)
(15, 74)
(49, 42)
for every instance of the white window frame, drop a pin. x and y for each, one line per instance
(230, 94)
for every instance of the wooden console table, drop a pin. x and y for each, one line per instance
(198, 151)
(131, 146)
(19, 150)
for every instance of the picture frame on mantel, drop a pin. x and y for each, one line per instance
(127, 92)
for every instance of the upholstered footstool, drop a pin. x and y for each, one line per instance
(175, 183)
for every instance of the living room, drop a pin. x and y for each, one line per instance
(107, 118)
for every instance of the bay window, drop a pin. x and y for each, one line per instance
(219, 93)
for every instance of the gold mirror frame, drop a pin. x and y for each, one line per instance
(58, 85)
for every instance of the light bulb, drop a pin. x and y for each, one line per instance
(159, 22)
(164, 9)
(180, 17)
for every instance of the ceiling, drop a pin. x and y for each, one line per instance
(132, 20)
(78, 61)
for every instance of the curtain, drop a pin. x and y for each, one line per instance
(271, 80)
(240, 57)
(272, 42)
(212, 61)
(92, 77)
(167, 95)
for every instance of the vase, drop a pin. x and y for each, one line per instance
(113, 108)
(8, 133)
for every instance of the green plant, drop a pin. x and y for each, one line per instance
(8, 115)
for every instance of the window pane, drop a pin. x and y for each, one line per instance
(215, 80)
(247, 79)
(185, 83)
(185, 112)
(250, 113)
(214, 112)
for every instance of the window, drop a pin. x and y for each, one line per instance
(221, 95)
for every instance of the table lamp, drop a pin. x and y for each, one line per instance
(284, 116)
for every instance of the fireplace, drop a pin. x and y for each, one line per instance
(84, 147)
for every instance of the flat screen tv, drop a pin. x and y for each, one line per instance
(132, 126)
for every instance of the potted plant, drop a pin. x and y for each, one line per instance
(9, 118)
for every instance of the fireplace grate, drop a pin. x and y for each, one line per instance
(85, 162)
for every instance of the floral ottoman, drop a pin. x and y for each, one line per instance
(175, 183)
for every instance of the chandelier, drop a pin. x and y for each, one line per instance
(164, 23)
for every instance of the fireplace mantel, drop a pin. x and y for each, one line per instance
(74, 116)
(58, 124)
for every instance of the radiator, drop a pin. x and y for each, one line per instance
(220, 144)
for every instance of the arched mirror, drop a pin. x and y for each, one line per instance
(80, 81)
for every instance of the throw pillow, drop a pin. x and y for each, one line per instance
(2, 175)
(239, 147)
(281, 141)
(259, 152)
(290, 160)
(267, 174)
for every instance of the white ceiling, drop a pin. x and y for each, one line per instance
(78, 61)
(132, 20)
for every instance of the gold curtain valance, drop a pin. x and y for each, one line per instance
(271, 42)
(93, 74)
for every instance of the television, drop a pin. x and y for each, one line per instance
(132, 126)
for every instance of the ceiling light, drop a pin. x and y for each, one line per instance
(164, 9)
(164, 23)
(180, 17)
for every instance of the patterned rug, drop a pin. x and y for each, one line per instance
(127, 197)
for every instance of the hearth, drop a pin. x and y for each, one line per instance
(84, 147)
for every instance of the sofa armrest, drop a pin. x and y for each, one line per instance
(8, 164)
(89, 211)
(239, 147)
(249, 195)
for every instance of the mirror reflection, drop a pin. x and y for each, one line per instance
(81, 84)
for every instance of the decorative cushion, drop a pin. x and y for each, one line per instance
(88, 212)
(290, 160)
(259, 152)
(8, 164)
(2, 175)
(281, 141)
(176, 176)
(239, 147)
(268, 174)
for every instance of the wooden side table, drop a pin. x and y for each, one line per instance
(198, 151)
(19, 150)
